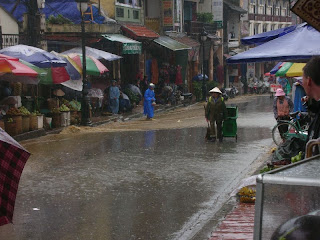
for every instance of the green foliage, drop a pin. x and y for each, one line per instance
(211, 84)
(133, 98)
(205, 17)
(266, 169)
(59, 19)
(197, 90)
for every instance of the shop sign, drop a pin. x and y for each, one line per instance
(131, 48)
(217, 11)
(167, 12)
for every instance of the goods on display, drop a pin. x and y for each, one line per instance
(64, 108)
(24, 111)
(13, 112)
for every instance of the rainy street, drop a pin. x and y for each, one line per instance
(137, 179)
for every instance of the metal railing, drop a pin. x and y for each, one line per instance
(194, 27)
(9, 40)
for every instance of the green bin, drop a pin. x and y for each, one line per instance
(229, 128)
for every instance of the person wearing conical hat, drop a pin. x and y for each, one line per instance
(215, 113)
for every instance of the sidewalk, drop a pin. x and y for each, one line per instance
(238, 224)
(136, 112)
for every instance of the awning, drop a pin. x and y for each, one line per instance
(234, 7)
(129, 46)
(187, 41)
(171, 43)
(139, 32)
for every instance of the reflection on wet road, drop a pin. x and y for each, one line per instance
(152, 184)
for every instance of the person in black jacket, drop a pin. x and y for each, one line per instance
(311, 84)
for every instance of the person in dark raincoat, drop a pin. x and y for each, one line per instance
(149, 101)
(114, 94)
(215, 112)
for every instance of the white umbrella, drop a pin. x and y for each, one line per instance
(93, 52)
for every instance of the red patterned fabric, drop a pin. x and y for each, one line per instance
(13, 157)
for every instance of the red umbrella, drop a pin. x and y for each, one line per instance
(12, 65)
(13, 157)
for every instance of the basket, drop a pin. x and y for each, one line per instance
(25, 123)
(18, 120)
(33, 122)
(10, 128)
(56, 120)
(53, 103)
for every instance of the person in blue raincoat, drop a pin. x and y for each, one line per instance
(114, 94)
(149, 101)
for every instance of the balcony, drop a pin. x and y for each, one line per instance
(194, 28)
(271, 18)
(153, 24)
(233, 43)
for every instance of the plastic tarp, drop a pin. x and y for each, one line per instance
(67, 8)
(302, 43)
(93, 52)
(266, 36)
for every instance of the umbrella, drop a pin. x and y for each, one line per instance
(56, 73)
(13, 157)
(282, 71)
(12, 65)
(93, 52)
(15, 70)
(36, 56)
(72, 67)
(93, 66)
(295, 70)
(302, 43)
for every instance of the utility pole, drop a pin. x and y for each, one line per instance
(33, 19)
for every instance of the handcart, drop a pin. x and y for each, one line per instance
(229, 128)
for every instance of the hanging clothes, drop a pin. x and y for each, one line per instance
(154, 71)
(220, 74)
(178, 75)
(148, 69)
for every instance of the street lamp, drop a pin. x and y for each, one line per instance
(85, 103)
(203, 37)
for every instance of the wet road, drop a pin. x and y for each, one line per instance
(135, 180)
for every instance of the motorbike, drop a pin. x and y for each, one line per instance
(224, 94)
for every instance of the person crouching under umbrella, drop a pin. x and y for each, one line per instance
(215, 112)
(149, 101)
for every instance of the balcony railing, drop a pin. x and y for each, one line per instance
(263, 17)
(153, 24)
(9, 40)
(125, 13)
(193, 27)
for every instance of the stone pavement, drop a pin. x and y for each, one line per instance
(237, 224)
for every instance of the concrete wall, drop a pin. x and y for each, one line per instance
(8, 23)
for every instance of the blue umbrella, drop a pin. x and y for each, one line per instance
(275, 68)
(302, 43)
(266, 36)
(36, 56)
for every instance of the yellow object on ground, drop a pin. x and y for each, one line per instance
(295, 70)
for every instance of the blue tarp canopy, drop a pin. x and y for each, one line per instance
(67, 8)
(266, 36)
(302, 43)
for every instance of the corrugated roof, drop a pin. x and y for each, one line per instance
(171, 43)
(187, 41)
(137, 31)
